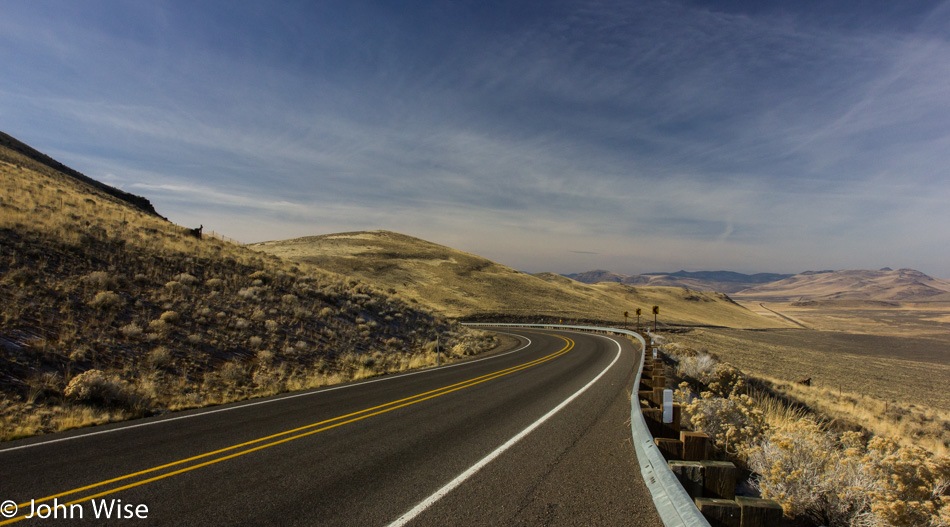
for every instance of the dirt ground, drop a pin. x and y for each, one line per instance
(915, 320)
(897, 353)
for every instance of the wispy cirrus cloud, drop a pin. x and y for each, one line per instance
(640, 136)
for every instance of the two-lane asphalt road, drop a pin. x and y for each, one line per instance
(536, 436)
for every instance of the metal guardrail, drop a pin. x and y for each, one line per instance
(674, 505)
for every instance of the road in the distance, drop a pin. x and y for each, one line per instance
(369, 453)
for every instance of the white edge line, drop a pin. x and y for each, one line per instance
(266, 401)
(450, 486)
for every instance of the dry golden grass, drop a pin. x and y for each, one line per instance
(90, 283)
(905, 319)
(822, 474)
(873, 365)
(909, 424)
(851, 382)
(464, 285)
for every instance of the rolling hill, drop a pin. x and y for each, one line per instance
(721, 281)
(464, 285)
(885, 285)
(108, 311)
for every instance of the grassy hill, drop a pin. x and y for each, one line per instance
(886, 285)
(29, 157)
(464, 285)
(109, 311)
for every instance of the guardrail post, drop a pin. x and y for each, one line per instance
(654, 420)
(720, 513)
(670, 448)
(677, 419)
(690, 475)
(695, 445)
(756, 512)
(645, 395)
(719, 479)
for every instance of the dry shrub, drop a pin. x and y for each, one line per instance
(233, 374)
(159, 326)
(131, 331)
(726, 380)
(696, 367)
(734, 423)
(106, 300)
(794, 465)
(838, 481)
(95, 388)
(911, 484)
(160, 358)
(100, 280)
(265, 356)
(186, 279)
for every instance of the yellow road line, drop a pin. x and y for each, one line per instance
(380, 409)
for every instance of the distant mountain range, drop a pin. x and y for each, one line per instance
(720, 281)
(884, 285)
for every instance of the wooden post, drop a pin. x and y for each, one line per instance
(677, 417)
(695, 445)
(757, 512)
(719, 479)
(690, 474)
(671, 449)
(654, 419)
(646, 395)
(719, 513)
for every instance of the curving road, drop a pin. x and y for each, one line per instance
(536, 436)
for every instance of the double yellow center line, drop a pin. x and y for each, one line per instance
(279, 438)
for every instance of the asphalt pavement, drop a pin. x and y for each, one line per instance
(539, 435)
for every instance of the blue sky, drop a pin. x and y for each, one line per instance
(634, 136)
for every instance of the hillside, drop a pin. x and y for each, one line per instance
(885, 285)
(720, 281)
(109, 312)
(22, 154)
(464, 285)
